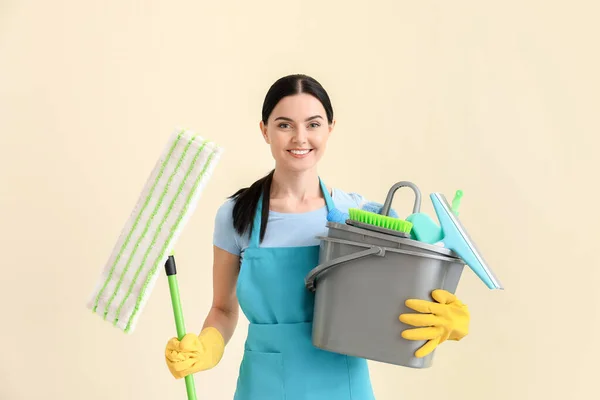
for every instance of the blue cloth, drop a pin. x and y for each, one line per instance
(283, 229)
(374, 207)
(279, 360)
(340, 217)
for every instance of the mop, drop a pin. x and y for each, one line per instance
(168, 199)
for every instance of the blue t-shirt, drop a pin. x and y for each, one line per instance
(283, 229)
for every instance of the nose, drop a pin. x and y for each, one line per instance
(300, 135)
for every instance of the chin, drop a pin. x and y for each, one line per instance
(298, 165)
(299, 168)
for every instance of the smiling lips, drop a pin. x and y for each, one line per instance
(299, 153)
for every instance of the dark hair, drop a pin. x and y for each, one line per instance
(246, 199)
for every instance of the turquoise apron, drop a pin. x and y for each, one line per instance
(280, 361)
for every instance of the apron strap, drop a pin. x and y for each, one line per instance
(255, 234)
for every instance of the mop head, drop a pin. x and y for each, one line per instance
(168, 199)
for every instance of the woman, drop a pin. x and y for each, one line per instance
(264, 246)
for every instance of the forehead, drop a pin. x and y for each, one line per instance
(298, 107)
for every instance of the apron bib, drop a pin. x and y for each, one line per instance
(280, 361)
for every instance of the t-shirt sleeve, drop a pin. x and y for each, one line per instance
(224, 235)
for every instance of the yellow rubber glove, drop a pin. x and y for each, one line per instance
(194, 353)
(448, 319)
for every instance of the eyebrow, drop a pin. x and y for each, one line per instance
(291, 120)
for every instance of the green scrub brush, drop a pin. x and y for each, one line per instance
(379, 222)
(382, 221)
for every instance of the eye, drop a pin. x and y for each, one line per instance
(283, 125)
(315, 125)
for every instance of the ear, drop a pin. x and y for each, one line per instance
(263, 131)
(331, 126)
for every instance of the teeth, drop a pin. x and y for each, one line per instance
(299, 152)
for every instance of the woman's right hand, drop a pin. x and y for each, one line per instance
(194, 353)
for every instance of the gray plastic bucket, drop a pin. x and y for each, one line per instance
(361, 285)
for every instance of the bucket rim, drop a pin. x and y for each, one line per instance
(370, 250)
(411, 242)
(440, 257)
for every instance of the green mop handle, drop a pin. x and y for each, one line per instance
(171, 270)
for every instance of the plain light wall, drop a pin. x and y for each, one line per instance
(499, 99)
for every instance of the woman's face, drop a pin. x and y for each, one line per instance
(297, 131)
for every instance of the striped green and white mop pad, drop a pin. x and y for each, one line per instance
(167, 201)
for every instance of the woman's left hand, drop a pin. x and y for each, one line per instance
(448, 319)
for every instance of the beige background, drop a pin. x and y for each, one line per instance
(499, 99)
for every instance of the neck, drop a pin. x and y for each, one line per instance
(298, 186)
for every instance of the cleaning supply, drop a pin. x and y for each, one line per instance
(193, 353)
(377, 218)
(424, 229)
(362, 280)
(446, 319)
(367, 278)
(377, 208)
(379, 222)
(456, 238)
(427, 230)
(335, 215)
(456, 201)
(167, 201)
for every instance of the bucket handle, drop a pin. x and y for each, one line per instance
(312, 276)
(385, 210)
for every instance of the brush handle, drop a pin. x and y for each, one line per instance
(171, 270)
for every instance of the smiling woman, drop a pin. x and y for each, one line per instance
(265, 244)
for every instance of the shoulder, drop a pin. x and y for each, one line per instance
(225, 211)
(224, 234)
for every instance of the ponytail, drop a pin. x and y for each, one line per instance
(246, 203)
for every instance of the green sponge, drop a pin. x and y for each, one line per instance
(426, 229)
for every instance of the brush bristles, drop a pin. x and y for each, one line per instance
(382, 221)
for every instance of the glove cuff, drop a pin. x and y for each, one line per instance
(214, 345)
